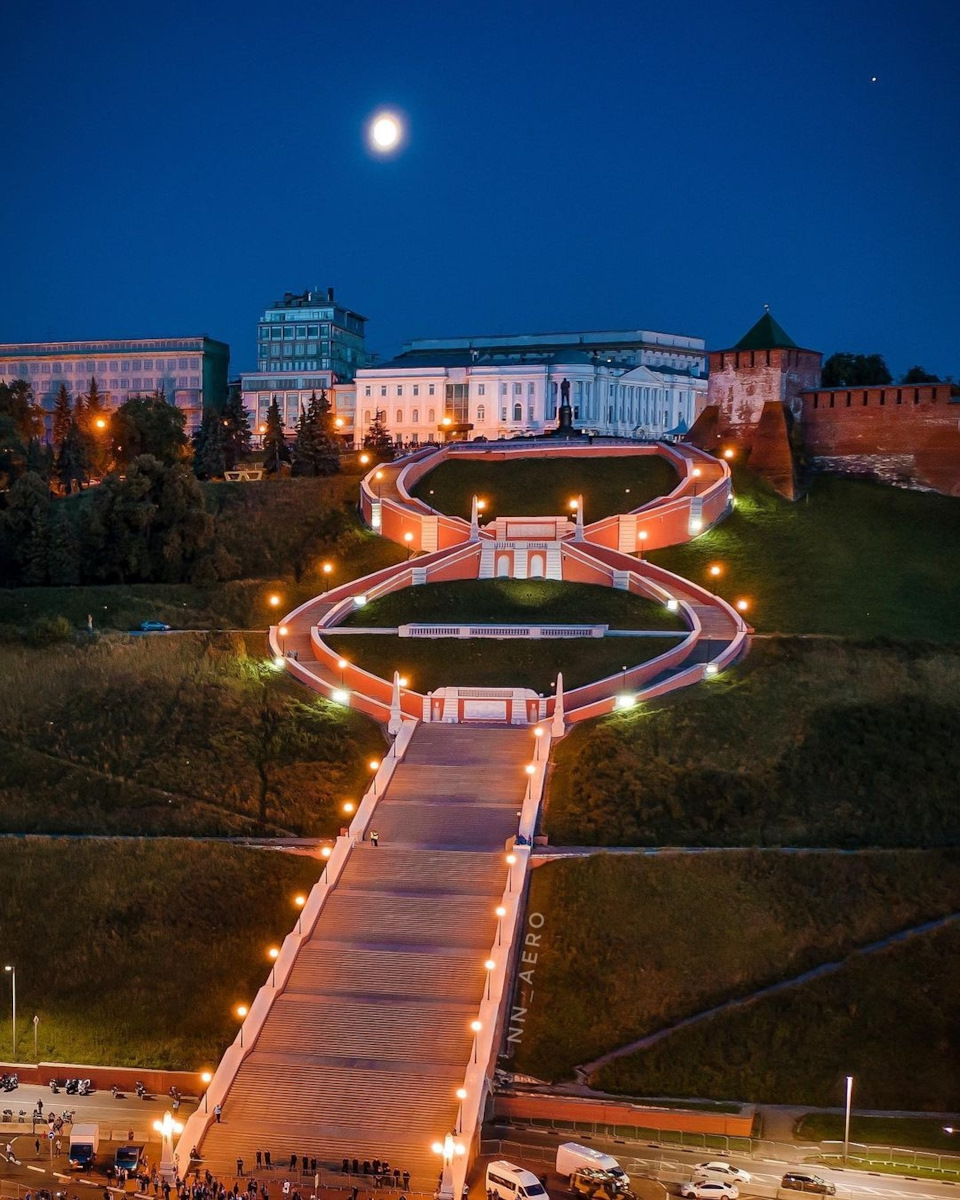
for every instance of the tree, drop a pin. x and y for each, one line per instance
(855, 370)
(209, 460)
(236, 429)
(316, 449)
(23, 527)
(17, 403)
(63, 560)
(148, 425)
(275, 449)
(94, 422)
(62, 416)
(919, 375)
(72, 465)
(377, 439)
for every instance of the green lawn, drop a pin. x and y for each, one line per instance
(630, 945)
(432, 663)
(852, 558)
(917, 1132)
(884, 1018)
(545, 487)
(171, 735)
(135, 952)
(804, 743)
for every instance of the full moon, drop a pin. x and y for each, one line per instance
(385, 132)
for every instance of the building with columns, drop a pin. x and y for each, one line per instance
(621, 383)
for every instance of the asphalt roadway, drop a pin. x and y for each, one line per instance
(672, 1166)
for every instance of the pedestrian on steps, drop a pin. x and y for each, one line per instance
(374, 837)
(240, 1166)
(259, 1159)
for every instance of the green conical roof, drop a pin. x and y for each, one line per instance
(766, 335)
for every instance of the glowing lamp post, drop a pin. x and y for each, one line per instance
(205, 1077)
(511, 859)
(538, 734)
(743, 605)
(167, 1127)
(461, 1096)
(326, 570)
(300, 901)
(13, 981)
(448, 1149)
(374, 765)
(364, 459)
(325, 855)
(489, 966)
(241, 1010)
(273, 954)
(348, 807)
(283, 631)
(379, 478)
(408, 540)
(342, 665)
(274, 601)
(501, 913)
(642, 536)
(476, 1026)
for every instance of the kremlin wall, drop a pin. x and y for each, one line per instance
(764, 399)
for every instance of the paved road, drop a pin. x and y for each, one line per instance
(672, 1166)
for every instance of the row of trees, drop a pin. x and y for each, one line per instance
(867, 370)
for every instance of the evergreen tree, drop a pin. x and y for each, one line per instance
(18, 405)
(63, 560)
(209, 459)
(72, 465)
(236, 429)
(330, 441)
(275, 449)
(316, 451)
(377, 439)
(62, 415)
(24, 528)
(95, 424)
(39, 458)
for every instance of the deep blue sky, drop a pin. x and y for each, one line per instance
(170, 168)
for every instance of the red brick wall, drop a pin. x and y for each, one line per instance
(742, 381)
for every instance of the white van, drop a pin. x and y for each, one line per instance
(571, 1156)
(506, 1181)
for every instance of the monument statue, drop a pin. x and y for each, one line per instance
(565, 416)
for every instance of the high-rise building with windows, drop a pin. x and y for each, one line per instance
(306, 343)
(190, 371)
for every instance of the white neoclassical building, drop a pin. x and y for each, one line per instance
(435, 392)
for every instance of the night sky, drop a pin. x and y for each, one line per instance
(171, 168)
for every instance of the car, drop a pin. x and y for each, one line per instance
(797, 1181)
(154, 627)
(709, 1189)
(721, 1170)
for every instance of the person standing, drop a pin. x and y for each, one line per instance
(217, 1110)
(374, 837)
(240, 1166)
(259, 1160)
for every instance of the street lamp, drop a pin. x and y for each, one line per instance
(538, 734)
(489, 966)
(461, 1096)
(408, 538)
(300, 901)
(348, 807)
(511, 859)
(241, 1010)
(327, 571)
(274, 601)
(642, 536)
(743, 605)
(716, 570)
(476, 1026)
(325, 855)
(283, 631)
(573, 505)
(273, 953)
(501, 913)
(205, 1077)
(696, 473)
(378, 477)
(13, 981)
(374, 765)
(342, 665)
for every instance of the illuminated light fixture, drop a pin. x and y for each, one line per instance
(624, 700)
(446, 421)
(711, 669)
(408, 537)
(716, 570)
(326, 852)
(573, 504)
(461, 1093)
(530, 769)
(273, 952)
(379, 475)
(283, 631)
(364, 459)
(490, 965)
(374, 764)
(476, 1026)
(673, 605)
(642, 535)
(743, 605)
(728, 454)
(359, 601)
(403, 681)
(299, 901)
(349, 806)
(274, 601)
(481, 505)
(695, 526)
(340, 696)
(437, 1147)
(100, 423)
(241, 1010)
(342, 664)
(511, 859)
(338, 421)
(327, 568)
(278, 662)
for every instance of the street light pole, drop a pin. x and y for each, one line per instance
(13, 980)
(846, 1120)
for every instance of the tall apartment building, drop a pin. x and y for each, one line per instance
(306, 343)
(191, 371)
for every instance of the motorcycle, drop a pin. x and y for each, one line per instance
(54, 1087)
(84, 1088)
(9, 1083)
(141, 1090)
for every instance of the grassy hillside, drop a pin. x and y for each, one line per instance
(542, 487)
(189, 734)
(885, 1018)
(805, 743)
(135, 952)
(852, 558)
(630, 945)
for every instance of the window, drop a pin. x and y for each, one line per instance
(366, 416)
(366, 390)
(481, 390)
(503, 415)
(518, 412)
(414, 439)
(503, 389)
(383, 389)
(415, 417)
(301, 331)
(399, 389)
(399, 416)
(481, 414)
(432, 416)
(518, 389)
(529, 389)
(416, 389)
(430, 390)
(457, 402)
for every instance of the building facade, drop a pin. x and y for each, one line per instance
(191, 372)
(306, 343)
(447, 389)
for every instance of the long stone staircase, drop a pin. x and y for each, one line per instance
(364, 1048)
